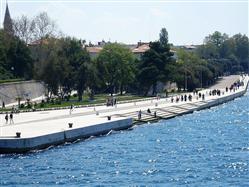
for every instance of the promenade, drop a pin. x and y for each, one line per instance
(41, 123)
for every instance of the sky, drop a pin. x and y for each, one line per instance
(127, 21)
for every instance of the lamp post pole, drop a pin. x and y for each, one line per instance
(186, 79)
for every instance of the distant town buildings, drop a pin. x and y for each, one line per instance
(138, 49)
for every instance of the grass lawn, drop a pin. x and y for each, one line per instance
(10, 80)
(98, 99)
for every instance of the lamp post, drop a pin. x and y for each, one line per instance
(186, 79)
(201, 77)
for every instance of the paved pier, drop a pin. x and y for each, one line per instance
(56, 122)
(226, 81)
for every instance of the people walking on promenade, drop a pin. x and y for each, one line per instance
(181, 98)
(185, 97)
(172, 99)
(71, 109)
(139, 115)
(11, 118)
(6, 118)
(203, 97)
(190, 97)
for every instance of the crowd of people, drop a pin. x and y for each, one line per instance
(9, 117)
(199, 95)
(112, 101)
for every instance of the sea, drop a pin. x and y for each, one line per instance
(205, 148)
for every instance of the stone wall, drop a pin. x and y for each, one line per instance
(26, 90)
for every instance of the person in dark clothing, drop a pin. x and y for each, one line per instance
(139, 115)
(190, 97)
(148, 110)
(11, 118)
(71, 109)
(172, 99)
(177, 99)
(6, 118)
(203, 97)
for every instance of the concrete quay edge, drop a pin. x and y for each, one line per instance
(22, 145)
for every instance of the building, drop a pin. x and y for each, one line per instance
(7, 23)
(138, 49)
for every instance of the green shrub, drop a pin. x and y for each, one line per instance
(42, 105)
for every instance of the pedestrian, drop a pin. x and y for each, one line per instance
(185, 97)
(148, 111)
(190, 97)
(3, 104)
(11, 118)
(155, 114)
(139, 115)
(172, 99)
(182, 98)
(71, 109)
(203, 97)
(6, 118)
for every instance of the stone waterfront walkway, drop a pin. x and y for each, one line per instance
(32, 124)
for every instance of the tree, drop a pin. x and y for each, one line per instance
(24, 28)
(191, 72)
(228, 54)
(156, 64)
(242, 51)
(163, 37)
(44, 27)
(67, 60)
(216, 38)
(15, 58)
(35, 29)
(50, 75)
(21, 62)
(116, 67)
(93, 81)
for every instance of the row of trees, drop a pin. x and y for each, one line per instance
(64, 64)
(15, 58)
(230, 52)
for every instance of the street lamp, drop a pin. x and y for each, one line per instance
(201, 77)
(186, 79)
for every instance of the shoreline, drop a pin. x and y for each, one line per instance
(46, 132)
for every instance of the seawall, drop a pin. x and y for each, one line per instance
(21, 145)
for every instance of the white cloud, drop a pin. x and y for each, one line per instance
(158, 12)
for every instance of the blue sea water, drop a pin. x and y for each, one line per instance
(206, 148)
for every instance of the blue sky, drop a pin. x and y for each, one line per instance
(187, 22)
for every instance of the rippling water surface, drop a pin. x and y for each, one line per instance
(206, 148)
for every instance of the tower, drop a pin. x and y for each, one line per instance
(7, 23)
